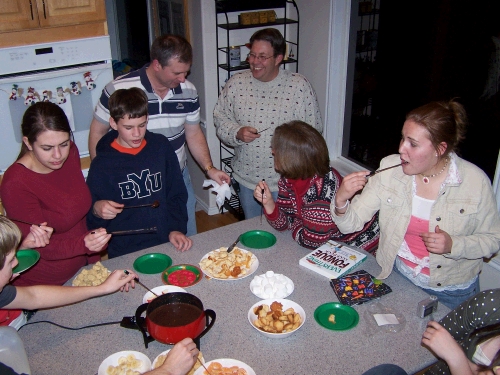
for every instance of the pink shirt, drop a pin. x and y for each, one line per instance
(415, 243)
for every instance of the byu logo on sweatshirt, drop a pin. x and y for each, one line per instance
(140, 186)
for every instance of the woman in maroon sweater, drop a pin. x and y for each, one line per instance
(306, 188)
(46, 185)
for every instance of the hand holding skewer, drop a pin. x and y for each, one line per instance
(351, 184)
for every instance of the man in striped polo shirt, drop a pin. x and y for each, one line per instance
(173, 108)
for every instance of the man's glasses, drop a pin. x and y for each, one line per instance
(260, 58)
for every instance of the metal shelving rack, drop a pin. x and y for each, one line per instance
(224, 10)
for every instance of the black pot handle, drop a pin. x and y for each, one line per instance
(141, 324)
(211, 314)
(140, 310)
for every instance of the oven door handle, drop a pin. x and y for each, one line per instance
(55, 73)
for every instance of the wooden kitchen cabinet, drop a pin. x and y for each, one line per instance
(16, 15)
(31, 14)
(37, 21)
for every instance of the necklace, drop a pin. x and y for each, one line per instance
(425, 178)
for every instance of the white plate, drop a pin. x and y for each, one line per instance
(227, 362)
(112, 360)
(166, 352)
(286, 305)
(163, 289)
(253, 268)
(277, 293)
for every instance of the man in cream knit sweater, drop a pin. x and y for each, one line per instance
(252, 104)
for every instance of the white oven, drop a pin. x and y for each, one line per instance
(70, 73)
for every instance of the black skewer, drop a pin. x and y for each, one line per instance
(381, 170)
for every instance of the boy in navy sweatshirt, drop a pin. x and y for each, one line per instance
(136, 167)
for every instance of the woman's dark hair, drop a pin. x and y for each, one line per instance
(40, 117)
(300, 151)
(272, 36)
(445, 121)
(131, 102)
(167, 47)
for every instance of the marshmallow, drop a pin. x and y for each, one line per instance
(271, 285)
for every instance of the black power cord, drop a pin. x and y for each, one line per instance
(70, 328)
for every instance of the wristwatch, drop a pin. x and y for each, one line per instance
(208, 168)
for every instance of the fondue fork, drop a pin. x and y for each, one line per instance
(201, 363)
(141, 284)
(155, 204)
(262, 205)
(22, 221)
(133, 231)
(381, 170)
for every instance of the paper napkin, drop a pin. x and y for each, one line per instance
(223, 191)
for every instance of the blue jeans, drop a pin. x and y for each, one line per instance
(385, 369)
(191, 204)
(450, 298)
(453, 298)
(251, 208)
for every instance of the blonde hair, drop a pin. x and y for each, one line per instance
(10, 237)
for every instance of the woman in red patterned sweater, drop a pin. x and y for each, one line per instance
(307, 186)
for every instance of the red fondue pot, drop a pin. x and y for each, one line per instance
(172, 317)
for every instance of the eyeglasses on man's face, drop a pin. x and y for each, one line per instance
(260, 58)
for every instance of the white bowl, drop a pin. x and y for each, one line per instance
(271, 285)
(112, 360)
(163, 289)
(286, 305)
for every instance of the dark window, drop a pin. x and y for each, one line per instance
(407, 55)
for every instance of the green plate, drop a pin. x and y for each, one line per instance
(345, 316)
(27, 258)
(152, 263)
(257, 239)
(183, 275)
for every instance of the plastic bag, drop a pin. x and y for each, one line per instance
(374, 328)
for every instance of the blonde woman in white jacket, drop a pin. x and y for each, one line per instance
(438, 216)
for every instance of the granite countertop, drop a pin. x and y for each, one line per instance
(311, 349)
